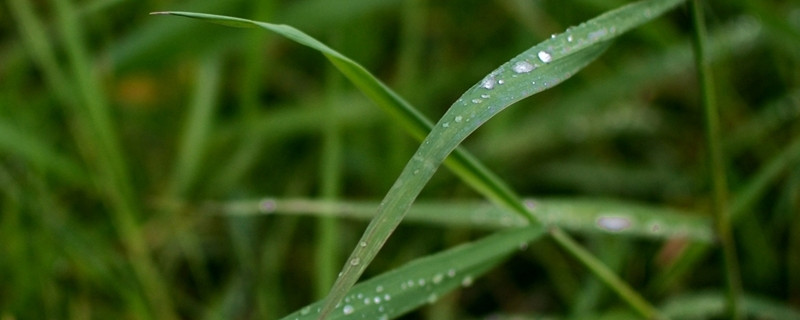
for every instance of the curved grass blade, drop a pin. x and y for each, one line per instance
(424, 280)
(709, 305)
(582, 215)
(463, 164)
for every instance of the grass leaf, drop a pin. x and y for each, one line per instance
(424, 280)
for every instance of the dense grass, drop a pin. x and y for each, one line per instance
(151, 167)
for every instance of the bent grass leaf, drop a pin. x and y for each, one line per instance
(582, 215)
(424, 280)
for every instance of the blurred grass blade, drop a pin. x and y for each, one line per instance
(424, 280)
(582, 215)
(711, 305)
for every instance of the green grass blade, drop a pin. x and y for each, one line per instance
(581, 215)
(424, 280)
(716, 161)
(712, 305)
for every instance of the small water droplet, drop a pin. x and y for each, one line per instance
(348, 309)
(379, 289)
(421, 282)
(569, 38)
(501, 81)
(360, 296)
(267, 206)
(432, 298)
(446, 125)
(438, 278)
(544, 56)
(485, 96)
(531, 204)
(459, 118)
(553, 36)
(355, 261)
(362, 244)
(387, 297)
(305, 311)
(384, 317)
(451, 273)
(613, 223)
(467, 281)
(377, 299)
(410, 283)
(477, 100)
(367, 301)
(488, 82)
(522, 67)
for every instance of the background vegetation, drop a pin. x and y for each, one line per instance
(121, 134)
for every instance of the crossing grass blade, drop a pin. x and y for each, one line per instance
(581, 215)
(424, 280)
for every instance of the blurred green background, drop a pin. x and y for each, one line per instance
(116, 127)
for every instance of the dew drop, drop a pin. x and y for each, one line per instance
(362, 244)
(421, 282)
(569, 38)
(613, 223)
(501, 81)
(459, 118)
(451, 273)
(379, 289)
(485, 96)
(544, 56)
(267, 206)
(348, 309)
(522, 67)
(446, 125)
(467, 281)
(305, 311)
(367, 301)
(438, 278)
(477, 100)
(531, 204)
(355, 261)
(553, 36)
(384, 317)
(432, 298)
(377, 299)
(387, 297)
(488, 82)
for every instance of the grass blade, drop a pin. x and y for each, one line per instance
(424, 280)
(716, 161)
(582, 215)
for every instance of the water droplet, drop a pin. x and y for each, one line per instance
(459, 118)
(348, 309)
(355, 261)
(531, 204)
(267, 206)
(485, 96)
(522, 67)
(596, 35)
(360, 296)
(477, 100)
(544, 56)
(305, 311)
(432, 298)
(569, 38)
(553, 36)
(421, 282)
(384, 317)
(387, 297)
(377, 299)
(488, 82)
(410, 283)
(446, 125)
(438, 278)
(613, 223)
(367, 301)
(363, 244)
(467, 281)
(379, 289)
(451, 273)
(501, 81)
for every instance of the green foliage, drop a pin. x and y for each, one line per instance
(131, 148)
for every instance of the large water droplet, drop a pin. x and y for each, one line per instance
(544, 56)
(488, 82)
(522, 67)
(613, 223)
(348, 309)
